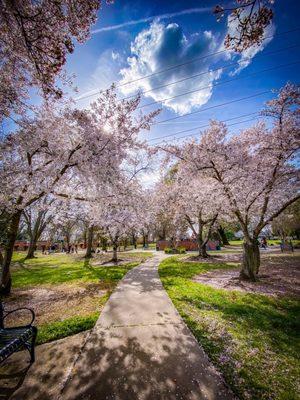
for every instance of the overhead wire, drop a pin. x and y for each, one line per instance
(219, 83)
(203, 126)
(181, 64)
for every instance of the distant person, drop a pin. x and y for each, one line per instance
(264, 243)
(76, 248)
(282, 245)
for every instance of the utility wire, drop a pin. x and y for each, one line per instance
(211, 107)
(219, 83)
(203, 126)
(182, 64)
(211, 70)
(193, 134)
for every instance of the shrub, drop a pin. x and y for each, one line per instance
(168, 250)
(179, 250)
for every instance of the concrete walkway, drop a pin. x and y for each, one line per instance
(141, 349)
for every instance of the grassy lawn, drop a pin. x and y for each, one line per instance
(270, 242)
(78, 290)
(252, 338)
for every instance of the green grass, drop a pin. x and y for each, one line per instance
(251, 338)
(65, 268)
(62, 268)
(270, 242)
(69, 326)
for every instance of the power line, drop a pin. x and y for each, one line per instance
(211, 107)
(211, 70)
(219, 83)
(203, 126)
(181, 64)
(235, 123)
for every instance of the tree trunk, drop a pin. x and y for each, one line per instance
(12, 231)
(85, 238)
(90, 235)
(202, 247)
(223, 236)
(33, 240)
(115, 253)
(251, 260)
(201, 243)
(31, 249)
(134, 241)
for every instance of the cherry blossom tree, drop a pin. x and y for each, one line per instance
(59, 148)
(35, 38)
(167, 223)
(255, 170)
(198, 202)
(120, 214)
(251, 18)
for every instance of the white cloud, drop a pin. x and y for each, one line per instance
(115, 56)
(160, 47)
(248, 54)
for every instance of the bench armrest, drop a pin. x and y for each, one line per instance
(18, 309)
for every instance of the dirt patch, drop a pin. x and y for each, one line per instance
(110, 263)
(229, 254)
(217, 258)
(55, 303)
(279, 276)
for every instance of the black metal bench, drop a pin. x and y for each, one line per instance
(16, 338)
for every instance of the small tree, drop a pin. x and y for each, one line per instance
(197, 201)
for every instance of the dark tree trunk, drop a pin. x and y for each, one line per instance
(103, 241)
(201, 243)
(202, 247)
(35, 231)
(251, 260)
(31, 249)
(90, 235)
(85, 238)
(12, 231)
(133, 237)
(223, 236)
(115, 253)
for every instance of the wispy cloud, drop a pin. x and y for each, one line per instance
(187, 11)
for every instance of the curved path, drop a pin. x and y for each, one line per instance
(141, 349)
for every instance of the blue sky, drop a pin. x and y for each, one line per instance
(128, 42)
(128, 38)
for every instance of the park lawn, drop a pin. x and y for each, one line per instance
(270, 242)
(60, 268)
(253, 339)
(66, 275)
